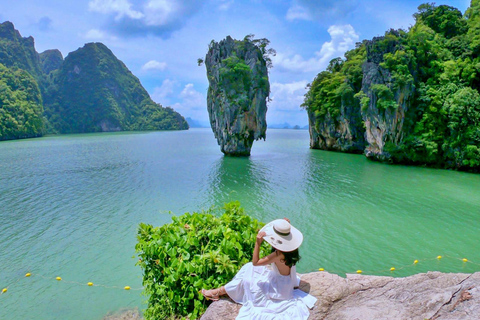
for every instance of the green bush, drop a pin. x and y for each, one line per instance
(195, 251)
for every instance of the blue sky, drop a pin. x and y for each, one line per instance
(160, 40)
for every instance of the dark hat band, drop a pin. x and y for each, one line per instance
(280, 233)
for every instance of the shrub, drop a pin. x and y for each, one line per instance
(195, 251)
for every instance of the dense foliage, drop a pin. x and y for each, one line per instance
(91, 90)
(195, 251)
(50, 60)
(239, 79)
(439, 59)
(18, 52)
(20, 105)
(96, 92)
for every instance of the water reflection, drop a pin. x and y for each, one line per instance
(242, 179)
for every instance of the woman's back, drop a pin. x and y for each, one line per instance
(283, 269)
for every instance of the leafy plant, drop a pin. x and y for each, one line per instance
(385, 97)
(196, 250)
(364, 99)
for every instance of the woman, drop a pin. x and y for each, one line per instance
(268, 292)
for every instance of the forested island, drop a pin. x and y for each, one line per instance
(237, 72)
(88, 91)
(406, 97)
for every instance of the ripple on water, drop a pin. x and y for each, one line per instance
(71, 206)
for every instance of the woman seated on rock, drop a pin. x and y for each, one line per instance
(265, 287)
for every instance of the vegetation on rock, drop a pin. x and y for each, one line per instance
(20, 105)
(94, 91)
(437, 63)
(237, 72)
(195, 251)
(91, 90)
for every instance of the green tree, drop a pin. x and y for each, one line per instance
(20, 105)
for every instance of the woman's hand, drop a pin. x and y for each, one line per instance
(260, 236)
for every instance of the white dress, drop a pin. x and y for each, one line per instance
(266, 294)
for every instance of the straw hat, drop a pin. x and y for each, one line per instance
(282, 235)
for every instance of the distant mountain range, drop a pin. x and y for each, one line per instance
(88, 91)
(192, 123)
(287, 125)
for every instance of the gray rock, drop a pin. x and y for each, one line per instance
(367, 130)
(224, 309)
(431, 295)
(383, 125)
(126, 314)
(237, 93)
(345, 134)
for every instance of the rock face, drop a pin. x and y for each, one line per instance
(431, 295)
(346, 134)
(370, 127)
(237, 94)
(383, 124)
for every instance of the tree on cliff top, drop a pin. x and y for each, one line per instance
(439, 59)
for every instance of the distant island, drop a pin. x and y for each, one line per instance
(88, 91)
(287, 125)
(407, 97)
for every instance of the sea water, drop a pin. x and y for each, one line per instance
(70, 206)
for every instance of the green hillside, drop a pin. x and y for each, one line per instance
(88, 91)
(20, 105)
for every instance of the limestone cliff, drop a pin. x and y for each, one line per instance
(345, 133)
(416, 94)
(384, 115)
(363, 126)
(237, 93)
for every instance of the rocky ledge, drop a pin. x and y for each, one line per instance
(432, 295)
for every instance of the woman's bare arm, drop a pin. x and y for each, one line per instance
(272, 257)
(256, 252)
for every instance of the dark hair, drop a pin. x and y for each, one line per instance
(291, 258)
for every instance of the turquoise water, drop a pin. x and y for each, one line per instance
(70, 206)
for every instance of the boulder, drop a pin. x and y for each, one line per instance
(432, 295)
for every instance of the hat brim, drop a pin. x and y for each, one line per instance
(283, 243)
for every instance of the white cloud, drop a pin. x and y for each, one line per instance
(225, 4)
(192, 97)
(94, 34)
(287, 96)
(192, 104)
(161, 12)
(298, 12)
(143, 17)
(120, 7)
(154, 65)
(325, 9)
(285, 105)
(343, 38)
(161, 94)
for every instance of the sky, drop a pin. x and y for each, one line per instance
(161, 40)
